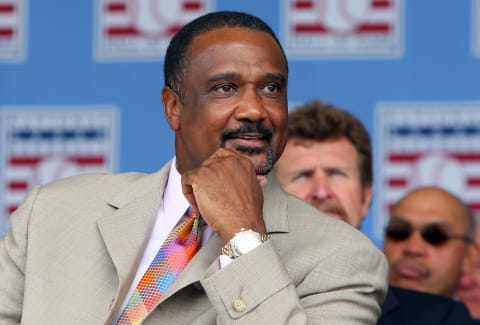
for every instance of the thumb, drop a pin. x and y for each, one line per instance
(262, 179)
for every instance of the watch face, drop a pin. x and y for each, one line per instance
(245, 241)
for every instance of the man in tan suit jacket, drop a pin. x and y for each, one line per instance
(76, 245)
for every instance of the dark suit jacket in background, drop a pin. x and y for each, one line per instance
(408, 307)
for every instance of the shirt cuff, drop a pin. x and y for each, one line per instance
(224, 260)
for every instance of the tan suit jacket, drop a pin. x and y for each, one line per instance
(75, 244)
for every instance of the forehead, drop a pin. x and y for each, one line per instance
(309, 154)
(325, 151)
(230, 45)
(431, 206)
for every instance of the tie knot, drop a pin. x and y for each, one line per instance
(189, 213)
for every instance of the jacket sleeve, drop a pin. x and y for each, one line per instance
(346, 287)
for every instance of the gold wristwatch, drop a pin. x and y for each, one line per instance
(244, 241)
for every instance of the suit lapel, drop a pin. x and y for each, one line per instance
(275, 206)
(126, 230)
(391, 310)
(196, 268)
(391, 302)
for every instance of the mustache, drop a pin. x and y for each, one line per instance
(247, 128)
(330, 207)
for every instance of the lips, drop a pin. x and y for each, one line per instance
(411, 270)
(250, 136)
(248, 140)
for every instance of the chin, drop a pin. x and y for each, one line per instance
(336, 216)
(262, 169)
(262, 163)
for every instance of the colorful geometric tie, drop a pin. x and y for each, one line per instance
(178, 249)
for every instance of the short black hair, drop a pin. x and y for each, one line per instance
(178, 50)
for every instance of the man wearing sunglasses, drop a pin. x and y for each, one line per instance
(328, 163)
(428, 241)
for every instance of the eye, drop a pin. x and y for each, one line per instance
(303, 175)
(224, 88)
(271, 88)
(336, 172)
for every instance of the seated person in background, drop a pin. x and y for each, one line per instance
(429, 241)
(328, 162)
(468, 289)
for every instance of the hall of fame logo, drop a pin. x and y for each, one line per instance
(13, 21)
(343, 28)
(476, 27)
(140, 29)
(45, 144)
(426, 144)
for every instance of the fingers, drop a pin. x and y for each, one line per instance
(262, 179)
(227, 193)
(219, 154)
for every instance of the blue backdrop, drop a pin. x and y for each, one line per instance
(434, 61)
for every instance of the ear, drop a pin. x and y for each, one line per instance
(367, 199)
(172, 107)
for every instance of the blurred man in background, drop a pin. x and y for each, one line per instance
(468, 290)
(328, 162)
(428, 241)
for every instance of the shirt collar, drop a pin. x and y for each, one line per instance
(175, 202)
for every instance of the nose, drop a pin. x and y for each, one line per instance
(320, 188)
(250, 106)
(415, 245)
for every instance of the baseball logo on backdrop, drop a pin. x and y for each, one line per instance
(426, 144)
(13, 21)
(343, 28)
(47, 143)
(140, 29)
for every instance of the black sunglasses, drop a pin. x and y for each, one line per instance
(435, 234)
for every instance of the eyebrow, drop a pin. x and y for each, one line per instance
(224, 76)
(434, 222)
(279, 77)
